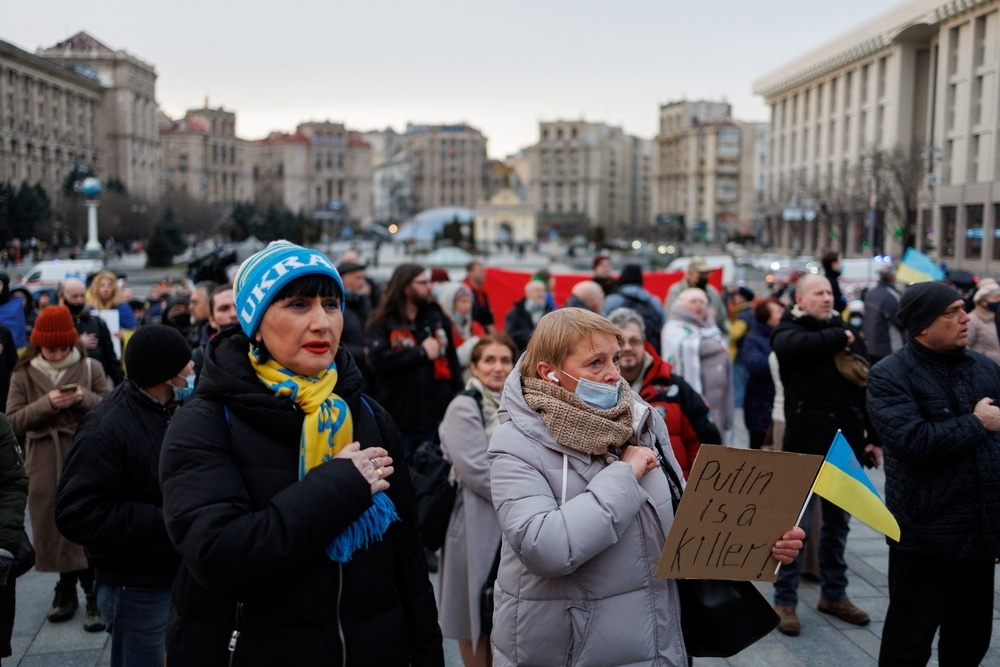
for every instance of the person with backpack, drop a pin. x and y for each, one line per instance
(631, 294)
(473, 536)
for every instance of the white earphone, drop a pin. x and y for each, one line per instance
(552, 376)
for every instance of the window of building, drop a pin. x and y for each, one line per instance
(975, 145)
(882, 66)
(846, 143)
(949, 219)
(996, 231)
(979, 42)
(953, 35)
(974, 231)
(848, 84)
(864, 84)
(833, 95)
(977, 100)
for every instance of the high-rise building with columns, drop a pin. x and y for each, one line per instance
(128, 111)
(50, 120)
(896, 121)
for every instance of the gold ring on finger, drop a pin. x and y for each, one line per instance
(381, 472)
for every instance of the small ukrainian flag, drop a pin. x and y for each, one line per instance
(917, 267)
(842, 481)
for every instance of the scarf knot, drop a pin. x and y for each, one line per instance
(327, 428)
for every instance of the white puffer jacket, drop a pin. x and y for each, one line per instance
(581, 542)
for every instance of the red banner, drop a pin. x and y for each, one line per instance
(506, 286)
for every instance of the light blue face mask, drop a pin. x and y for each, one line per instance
(180, 393)
(596, 394)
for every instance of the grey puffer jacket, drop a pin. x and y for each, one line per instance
(581, 542)
(942, 467)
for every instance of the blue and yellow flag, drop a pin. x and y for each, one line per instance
(917, 267)
(842, 481)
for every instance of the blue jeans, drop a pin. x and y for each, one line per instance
(137, 622)
(832, 566)
(740, 377)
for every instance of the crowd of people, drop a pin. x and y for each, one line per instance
(224, 468)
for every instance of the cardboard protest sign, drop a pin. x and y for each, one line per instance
(737, 503)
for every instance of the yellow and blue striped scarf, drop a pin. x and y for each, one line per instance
(327, 428)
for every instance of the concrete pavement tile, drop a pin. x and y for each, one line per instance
(73, 659)
(18, 647)
(68, 636)
(992, 658)
(865, 640)
(821, 645)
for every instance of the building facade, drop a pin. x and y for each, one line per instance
(505, 218)
(447, 164)
(706, 169)
(321, 168)
(50, 120)
(587, 175)
(887, 138)
(128, 110)
(200, 155)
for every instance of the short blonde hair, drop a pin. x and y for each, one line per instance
(559, 333)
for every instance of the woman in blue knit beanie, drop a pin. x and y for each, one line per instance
(285, 491)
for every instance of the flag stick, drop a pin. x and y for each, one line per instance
(802, 513)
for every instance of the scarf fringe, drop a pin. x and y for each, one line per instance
(370, 527)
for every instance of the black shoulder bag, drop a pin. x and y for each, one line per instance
(719, 618)
(486, 597)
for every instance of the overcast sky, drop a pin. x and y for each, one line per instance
(501, 67)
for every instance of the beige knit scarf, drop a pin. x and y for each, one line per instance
(575, 424)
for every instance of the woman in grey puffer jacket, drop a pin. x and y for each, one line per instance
(583, 508)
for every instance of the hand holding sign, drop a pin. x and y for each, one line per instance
(737, 503)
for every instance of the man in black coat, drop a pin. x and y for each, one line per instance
(819, 401)
(109, 496)
(523, 316)
(932, 403)
(94, 333)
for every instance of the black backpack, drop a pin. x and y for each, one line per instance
(434, 489)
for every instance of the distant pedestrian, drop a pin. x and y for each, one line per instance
(525, 314)
(697, 275)
(983, 336)
(13, 495)
(884, 334)
(603, 274)
(631, 294)
(586, 294)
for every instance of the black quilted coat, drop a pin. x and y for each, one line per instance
(818, 400)
(253, 537)
(942, 467)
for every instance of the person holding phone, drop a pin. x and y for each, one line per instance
(51, 388)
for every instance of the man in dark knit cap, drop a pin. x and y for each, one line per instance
(109, 496)
(932, 404)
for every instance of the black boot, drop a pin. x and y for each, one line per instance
(93, 621)
(65, 603)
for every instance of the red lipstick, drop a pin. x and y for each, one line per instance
(317, 346)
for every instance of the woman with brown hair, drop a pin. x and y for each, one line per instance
(51, 388)
(474, 532)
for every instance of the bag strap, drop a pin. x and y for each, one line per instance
(478, 397)
(672, 480)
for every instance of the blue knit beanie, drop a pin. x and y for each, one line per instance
(262, 275)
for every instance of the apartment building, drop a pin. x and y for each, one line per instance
(50, 120)
(200, 155)
(895, 121)
(706, 172)
(128, 110)
(321, 167)
(447, 164)
(584, 175)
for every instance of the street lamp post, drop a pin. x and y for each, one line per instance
(91, 189)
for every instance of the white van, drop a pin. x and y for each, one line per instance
(856, 273)
(725, 262)
(52, 273)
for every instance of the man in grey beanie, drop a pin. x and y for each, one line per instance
(932, 404)
(109, 497)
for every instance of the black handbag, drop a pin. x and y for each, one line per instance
(486, 597)
(24, 559)
(719, 618)
(435, 493)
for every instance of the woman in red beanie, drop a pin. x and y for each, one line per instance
(51, 388)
